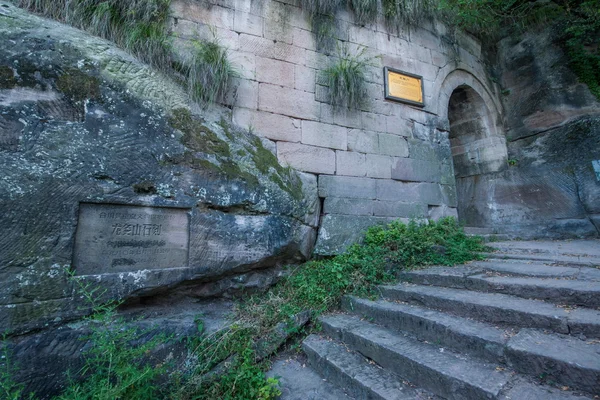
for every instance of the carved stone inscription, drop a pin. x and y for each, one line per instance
(120, 238)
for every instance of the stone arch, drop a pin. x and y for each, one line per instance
(477, 140)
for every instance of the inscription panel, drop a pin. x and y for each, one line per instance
(404, 87)
(120, 238)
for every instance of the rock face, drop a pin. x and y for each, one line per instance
(549, 188)
(83, 125)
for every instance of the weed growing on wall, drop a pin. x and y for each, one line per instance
(209, 71)
(138, 26)
(407, 13)
(346, 79)
(365, 11)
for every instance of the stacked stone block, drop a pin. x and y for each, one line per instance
(385, 161)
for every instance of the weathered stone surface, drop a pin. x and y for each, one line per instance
(548, 188)
(487, 307)
(413, 170)
(354, 373)
(346, 186)
(566, 360)
(350, 163)
(90, 124)
(442, 373)
(307, 158)
(338, 232)
(461, 334)
(337, 205)
(298, 382)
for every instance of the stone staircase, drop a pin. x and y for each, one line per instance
(523, 325)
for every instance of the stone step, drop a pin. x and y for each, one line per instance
(523, 389)
(561, 291)
(499, 308)
(573, 248)
(529, 269)
(564, 260)
(424, 365)
(460, 334)
(360, 378)
(563, 359)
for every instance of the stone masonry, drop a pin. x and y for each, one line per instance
(385, 161)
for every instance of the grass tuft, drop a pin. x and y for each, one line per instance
(209, 71)
(410, 13)
(365, 11)
(346, 79)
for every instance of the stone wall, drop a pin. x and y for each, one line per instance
(385, 161)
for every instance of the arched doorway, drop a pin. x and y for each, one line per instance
(478, 148)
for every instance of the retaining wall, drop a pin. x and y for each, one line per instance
(387, 160)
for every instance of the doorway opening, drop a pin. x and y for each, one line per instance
(478, 148)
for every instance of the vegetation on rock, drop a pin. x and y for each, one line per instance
(141, 28)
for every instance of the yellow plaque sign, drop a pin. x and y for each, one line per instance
(404, 87)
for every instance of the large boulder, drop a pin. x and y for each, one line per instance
(96, 148)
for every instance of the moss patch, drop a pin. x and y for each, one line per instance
(196, 136)
(78, 86)
(7, 77)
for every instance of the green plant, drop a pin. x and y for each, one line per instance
(346, 79)
(512, 162)
(116, 365)
(141, 27)
(209, 71)
(9, 389)
(138, 26)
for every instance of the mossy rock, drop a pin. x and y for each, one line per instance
(7, 77)
(78, 85)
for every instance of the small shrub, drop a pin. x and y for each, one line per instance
(346, 79)
(209, 71)
(322, 19)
